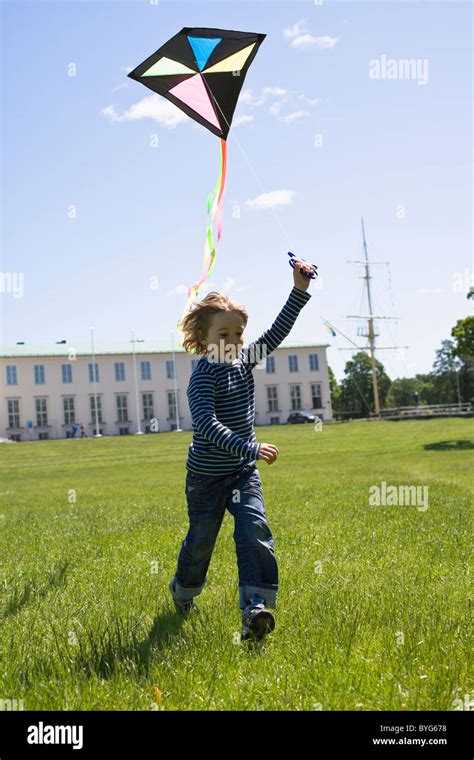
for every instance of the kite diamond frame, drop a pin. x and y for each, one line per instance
(202, 71)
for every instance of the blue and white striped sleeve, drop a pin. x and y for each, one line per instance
(201, 399)
(257, 351)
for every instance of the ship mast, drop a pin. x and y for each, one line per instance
(371, 333)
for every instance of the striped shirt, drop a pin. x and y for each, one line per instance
(221, 397)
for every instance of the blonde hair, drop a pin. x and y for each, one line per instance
(196, 323)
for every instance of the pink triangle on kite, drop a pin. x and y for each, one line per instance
(193, 93)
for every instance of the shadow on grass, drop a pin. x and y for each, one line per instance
(119, 648)
(21, 592)
(462, 445)
(105, 653)
(109, 655)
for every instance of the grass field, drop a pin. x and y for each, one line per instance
(372, 612)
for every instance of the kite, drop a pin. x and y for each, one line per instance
(202, 72)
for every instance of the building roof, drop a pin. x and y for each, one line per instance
(119, 348)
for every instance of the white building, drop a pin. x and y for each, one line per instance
(48, 388)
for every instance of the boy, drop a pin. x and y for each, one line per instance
(221, 465)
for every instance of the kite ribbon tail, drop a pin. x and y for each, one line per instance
(220, 200)
(215, 205)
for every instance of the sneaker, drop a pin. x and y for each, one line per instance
(257, 620)
(184, 608)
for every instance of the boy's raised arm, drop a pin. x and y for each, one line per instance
(257, 351)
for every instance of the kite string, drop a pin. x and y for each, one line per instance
(251, 169)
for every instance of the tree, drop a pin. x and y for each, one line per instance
(463, 333)
(444, 374)
(334, 388)
(401, 392)
(357, 395)
(445, 360)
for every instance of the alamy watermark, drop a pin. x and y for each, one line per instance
(256, 353)
(384, 495)
(399, 68)
(12, 282)
(12, 704)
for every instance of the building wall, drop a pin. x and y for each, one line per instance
(108, 387)
(283, 379)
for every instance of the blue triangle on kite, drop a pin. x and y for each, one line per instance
(202, 48)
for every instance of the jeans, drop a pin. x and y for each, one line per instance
(208, 496)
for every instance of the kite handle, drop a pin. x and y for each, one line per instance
(294, 259)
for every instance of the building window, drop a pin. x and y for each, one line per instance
(314, 362)
(316, 397)
(122, 411)
(99, 409)
(43, 436)
(293, 363)
(193, 364)
(147, 400)
(272, 397)
(11, 374)
(274, 420)
(93, 372)
(68, 408)
(295, 397)
(170, 369)
(66, 371)
(123, 431)
(41, 412)
(145, 369)
(119, 371)
(39, 374)
(13, 413)
(171, 405)
(270, 364)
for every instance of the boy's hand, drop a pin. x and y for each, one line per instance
(268, 452)
(300, 277)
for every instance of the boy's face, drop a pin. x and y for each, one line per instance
(224, 337)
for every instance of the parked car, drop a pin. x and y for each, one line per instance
(297, 417)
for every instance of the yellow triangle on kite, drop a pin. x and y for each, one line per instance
(234, 62)
(166, 67)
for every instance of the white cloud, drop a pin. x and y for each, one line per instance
(292, 117)
(276, 91)
(302, 38)
(230, 284)
(296, 30)
(272, 199)
(276, 107)
(244, 119)
(204, 288)
(280, 98)
(122, 86)
(178, 290)
(248, 98)
(309, 101)
(308, 40)
(153, 107)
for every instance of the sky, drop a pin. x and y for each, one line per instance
(104, 184)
